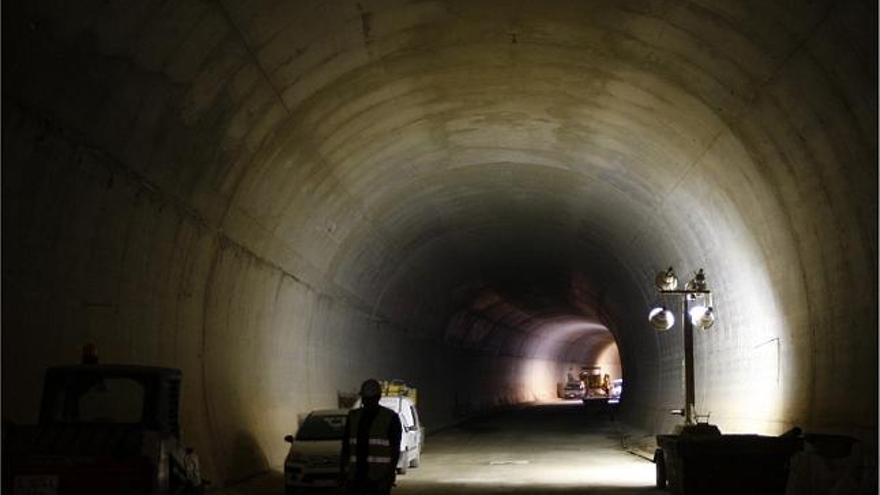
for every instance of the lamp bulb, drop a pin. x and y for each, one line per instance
(702, 317)
(666, 280)
(661, 319)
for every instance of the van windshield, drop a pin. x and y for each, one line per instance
(321, 428)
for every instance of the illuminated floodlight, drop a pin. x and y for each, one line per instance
(661, 319)
(702, 317)
(696, 311)
(666, 280)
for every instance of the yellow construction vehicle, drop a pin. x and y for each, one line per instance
(596, 384)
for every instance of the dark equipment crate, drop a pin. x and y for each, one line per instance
(724, 464)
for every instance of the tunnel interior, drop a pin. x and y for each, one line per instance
(285, 198)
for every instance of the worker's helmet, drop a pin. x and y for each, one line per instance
(371, 389)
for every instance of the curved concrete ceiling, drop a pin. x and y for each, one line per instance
(283, 198)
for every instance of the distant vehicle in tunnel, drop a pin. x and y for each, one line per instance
(616, 390)
(597, 384)
(313, 459)
(573, 390)
(103, 429)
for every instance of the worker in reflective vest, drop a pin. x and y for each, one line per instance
(370, 445)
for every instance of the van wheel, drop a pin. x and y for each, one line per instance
(401, 466)
(414, 463)
(660, 468)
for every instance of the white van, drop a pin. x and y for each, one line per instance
(412, 435)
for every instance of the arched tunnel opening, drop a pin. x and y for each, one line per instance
(541, 316)
(282, 199)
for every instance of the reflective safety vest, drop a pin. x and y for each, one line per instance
(379, 453)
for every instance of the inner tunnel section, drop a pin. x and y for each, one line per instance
(536, 316)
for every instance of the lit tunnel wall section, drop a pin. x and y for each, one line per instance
(282, 203)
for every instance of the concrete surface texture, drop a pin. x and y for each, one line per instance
(284, 198)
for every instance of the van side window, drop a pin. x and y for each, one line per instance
(407, 418)
(415, 416)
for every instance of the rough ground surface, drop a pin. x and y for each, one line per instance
(556, 448)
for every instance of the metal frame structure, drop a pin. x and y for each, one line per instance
(695, 288)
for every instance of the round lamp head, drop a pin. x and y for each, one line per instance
(698, 282)
(666, 280)
(702, 317)
(661, 319)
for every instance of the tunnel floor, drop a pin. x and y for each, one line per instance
(556, 448)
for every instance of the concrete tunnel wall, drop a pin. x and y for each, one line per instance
(282, 198)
